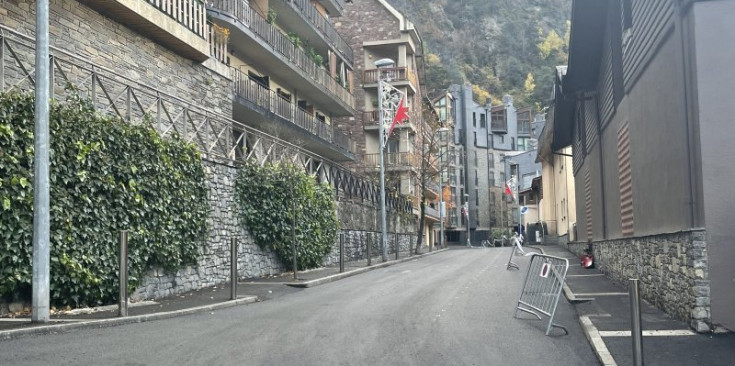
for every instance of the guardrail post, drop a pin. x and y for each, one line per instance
(368, 242)
(123, 275)
(635, 322)
(233, 268)
(341, 252)
(398, 248)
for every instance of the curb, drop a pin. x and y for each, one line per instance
(339, 276)
(101, 323)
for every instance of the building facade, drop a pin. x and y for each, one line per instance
(389, 35)
(647, 101)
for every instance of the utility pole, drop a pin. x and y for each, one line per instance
(41, 195)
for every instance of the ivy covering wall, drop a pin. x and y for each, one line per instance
(105, 176)
(266, 195)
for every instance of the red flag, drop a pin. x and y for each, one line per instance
(401, 114)
(507, 190)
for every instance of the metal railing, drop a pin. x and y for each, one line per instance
(393, 74)
(284, 108)
(217, 136)
(217, 40)
(400, 159)
(240, 11)
(190, 13)
(325, 27)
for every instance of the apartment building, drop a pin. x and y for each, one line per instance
(292, 71)
(377, 31)
(470, 187)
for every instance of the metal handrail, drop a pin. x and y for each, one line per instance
(393, 74)
(323, 25)
(270, 100)
(240, 10)
(190, 13)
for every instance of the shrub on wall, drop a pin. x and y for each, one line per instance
(264, 196)
(105, 176)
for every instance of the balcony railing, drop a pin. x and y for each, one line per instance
(396, 160)
(323, 25)
(372, 118)
(271, 101)
(392, 74)
(217, 39)
(280, 43)
(190, 13)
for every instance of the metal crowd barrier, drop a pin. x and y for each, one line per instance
(518, 249)
(543, 285)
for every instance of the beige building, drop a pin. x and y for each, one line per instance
(557, 205)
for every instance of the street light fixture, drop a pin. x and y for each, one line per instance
(381, 64)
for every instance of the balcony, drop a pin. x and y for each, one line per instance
(264, 109)
(398, 76)
(179, 25)
(394, 161)
(498, 121)
(371, 121)
(336, 7)
(306, 21)
(524, 123)
(278, 55)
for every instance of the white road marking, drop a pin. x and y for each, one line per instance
(406, 271)
(587, 275)
(593, 336)
(593, 294)
(648, 333)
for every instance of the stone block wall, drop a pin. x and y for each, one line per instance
(213, 268)
(672, 268)
(97, 39)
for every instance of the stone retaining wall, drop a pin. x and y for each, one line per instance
(672, 269)
(214, 265)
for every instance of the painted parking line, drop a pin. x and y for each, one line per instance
(596, 341)
(587, 275)
(648, 333)
(593, 294)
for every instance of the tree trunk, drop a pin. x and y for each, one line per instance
(420, 234)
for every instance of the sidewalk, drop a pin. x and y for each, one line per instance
(202, 300)
(605, 318)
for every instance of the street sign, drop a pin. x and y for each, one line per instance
(524, 209)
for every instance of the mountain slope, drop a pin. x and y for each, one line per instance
(493, 44)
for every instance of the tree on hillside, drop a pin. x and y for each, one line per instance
(428, 171)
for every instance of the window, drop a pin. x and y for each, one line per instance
(502, 139)
(474, 119)
(475, 157)
(523, 143)
(482, 120)
(512, 143)
(477, 197)
(475, 134)
(477, 179)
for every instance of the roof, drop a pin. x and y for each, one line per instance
(585, 44)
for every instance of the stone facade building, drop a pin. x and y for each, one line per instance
(377, 31)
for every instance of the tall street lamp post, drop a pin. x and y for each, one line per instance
(380, 64)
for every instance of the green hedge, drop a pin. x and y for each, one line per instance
(264, 196)
(105, 176)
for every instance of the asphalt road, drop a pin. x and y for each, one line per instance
(453, 308)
